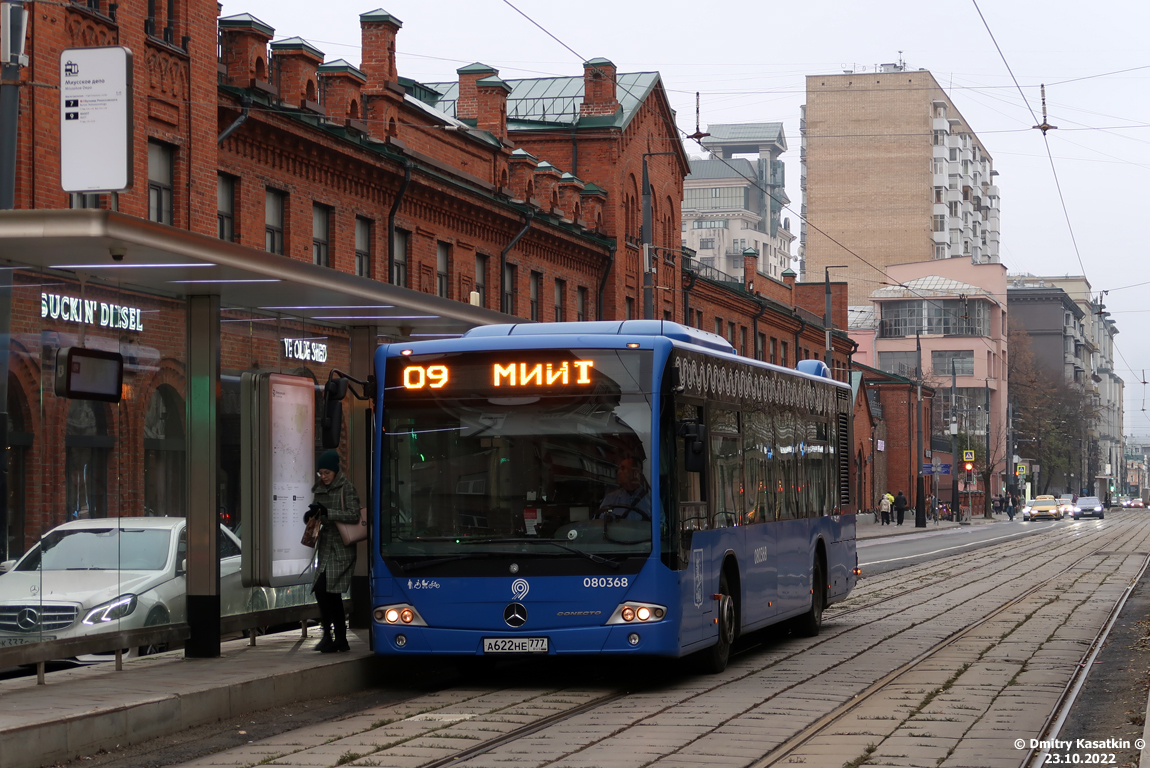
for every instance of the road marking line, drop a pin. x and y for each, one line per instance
(947, 549)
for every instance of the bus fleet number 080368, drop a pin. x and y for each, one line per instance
(606, 581)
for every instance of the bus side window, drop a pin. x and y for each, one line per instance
(726, 467)
(690, 485)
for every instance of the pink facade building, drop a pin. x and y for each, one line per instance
(956, 312)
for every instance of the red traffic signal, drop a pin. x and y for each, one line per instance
(968, 466)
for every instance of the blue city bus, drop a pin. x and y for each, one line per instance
(603, 488)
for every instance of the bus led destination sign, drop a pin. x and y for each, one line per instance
(511, 374)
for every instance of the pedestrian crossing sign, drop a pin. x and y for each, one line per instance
(968, 455)
(1021, 471)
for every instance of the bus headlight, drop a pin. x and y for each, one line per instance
(637, 613)
(400, 614)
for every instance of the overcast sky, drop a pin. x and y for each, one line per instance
(748, 60)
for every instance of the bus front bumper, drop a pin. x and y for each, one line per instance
(655, 639)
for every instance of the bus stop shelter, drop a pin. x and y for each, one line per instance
(189, 313)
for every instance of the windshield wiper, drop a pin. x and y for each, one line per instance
(590, 556)
(450, 558)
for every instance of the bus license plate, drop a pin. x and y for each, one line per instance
(515, 645)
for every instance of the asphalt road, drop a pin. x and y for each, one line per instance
(889, 553)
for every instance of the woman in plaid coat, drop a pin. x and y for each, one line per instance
(335, 501)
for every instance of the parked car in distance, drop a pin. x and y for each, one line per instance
(1088, 506)
(1043, 507)
(110, 574)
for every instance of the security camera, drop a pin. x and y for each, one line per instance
(117, 252)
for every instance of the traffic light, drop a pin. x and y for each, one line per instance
(968, 466)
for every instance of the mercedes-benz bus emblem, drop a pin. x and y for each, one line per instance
(515, 615)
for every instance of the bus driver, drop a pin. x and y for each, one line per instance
(632, 499)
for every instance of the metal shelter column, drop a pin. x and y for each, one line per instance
(203, 457)
(363, 343)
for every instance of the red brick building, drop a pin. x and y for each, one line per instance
(523, 196)
(898, 399)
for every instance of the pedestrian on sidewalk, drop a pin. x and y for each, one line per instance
(997, 505)
(1010, 506)
(900, 506)
(884, 508)
(334, 501)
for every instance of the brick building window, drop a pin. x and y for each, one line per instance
(774, 349)
(226, 207)
(161, 159)
(742, 341)
(783, 355)
(731, 333)
(320, 235)
(760, 345)
(508, 305)
(442, 262)
(536, 281)
(481, 279)
(629, 308)
(274, 221)
(718, 326)
(560, 300)
(362, 246)
(580, 304)
(399, 257)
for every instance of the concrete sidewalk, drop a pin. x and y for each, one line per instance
(82, 710)
(867, 528)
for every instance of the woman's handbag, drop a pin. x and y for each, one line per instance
(311, 533)
(354, 532)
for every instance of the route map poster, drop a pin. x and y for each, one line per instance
(291, 474)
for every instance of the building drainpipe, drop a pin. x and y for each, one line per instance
(755, 331)
(798, 335)
(503, 258)
(407, 166)
(603, 282)
(245, 106)
(692, 278)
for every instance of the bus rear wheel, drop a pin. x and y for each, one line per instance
(809, 624)
(714, 659)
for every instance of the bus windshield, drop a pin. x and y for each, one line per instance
(539, 452)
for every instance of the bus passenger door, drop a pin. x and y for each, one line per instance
(695, 584)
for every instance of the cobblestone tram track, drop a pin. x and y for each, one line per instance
(926, 675)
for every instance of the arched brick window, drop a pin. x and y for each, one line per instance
(353, 110)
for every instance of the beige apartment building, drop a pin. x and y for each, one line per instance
(891, 171)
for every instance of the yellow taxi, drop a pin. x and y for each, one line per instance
(1042, 508)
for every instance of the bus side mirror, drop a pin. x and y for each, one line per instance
(694, 435)
(331, 424)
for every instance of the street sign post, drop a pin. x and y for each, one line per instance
(96, 119)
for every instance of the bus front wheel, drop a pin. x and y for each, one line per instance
(715, 658)
(809, 624)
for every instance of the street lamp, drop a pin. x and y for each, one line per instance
(827, 323)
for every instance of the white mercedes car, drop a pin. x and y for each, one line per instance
(110, 574)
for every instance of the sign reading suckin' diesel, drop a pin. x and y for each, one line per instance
(90, 312)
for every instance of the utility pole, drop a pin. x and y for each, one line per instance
(827, 322)
(13, 29)
(920, 486)
(953, 443)
(989, 464)
(13, 26)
